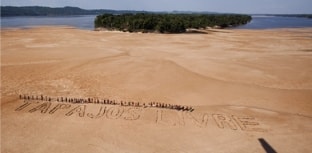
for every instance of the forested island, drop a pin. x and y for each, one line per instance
(167, 23)
(137, 21)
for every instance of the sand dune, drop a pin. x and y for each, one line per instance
(243, 84)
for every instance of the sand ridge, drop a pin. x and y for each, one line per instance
(243, 84)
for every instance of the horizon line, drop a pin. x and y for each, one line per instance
(161, 11)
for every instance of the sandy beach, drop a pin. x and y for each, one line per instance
(244, 85)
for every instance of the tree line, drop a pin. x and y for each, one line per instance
(167, 23)
(59, 11)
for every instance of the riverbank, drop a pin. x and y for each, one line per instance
(244, 86)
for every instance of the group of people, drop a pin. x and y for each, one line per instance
(108, 102)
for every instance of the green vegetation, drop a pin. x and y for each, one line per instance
(167, 23)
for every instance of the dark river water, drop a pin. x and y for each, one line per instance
(87, 22)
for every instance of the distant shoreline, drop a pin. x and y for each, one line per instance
(32, 11)
(196, 31)
(86, 22)
(68, 10)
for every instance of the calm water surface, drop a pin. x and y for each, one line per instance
(82, 22)
(271, 22)
(87, 22)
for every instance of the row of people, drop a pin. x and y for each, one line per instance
(170, 106)
(41, 97)
(107, 101)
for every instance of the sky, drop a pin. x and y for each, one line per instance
(221, 6)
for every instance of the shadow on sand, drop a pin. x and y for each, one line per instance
(266, 146)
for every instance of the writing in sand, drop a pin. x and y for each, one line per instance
(167, 117)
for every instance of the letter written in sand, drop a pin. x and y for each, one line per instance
(43, 107)
(132, 114)
(247, 123)
(223, 120)
(201, 120)
(169, 118)
(99, 114)
(59, 106)
(114, 112)
(26, 104)
(81, 109)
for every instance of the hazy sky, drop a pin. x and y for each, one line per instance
(226, 6)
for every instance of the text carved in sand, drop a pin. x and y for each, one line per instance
(162, 117)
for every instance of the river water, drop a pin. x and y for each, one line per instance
(271, 22)
(87, 22)
(82, 22)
